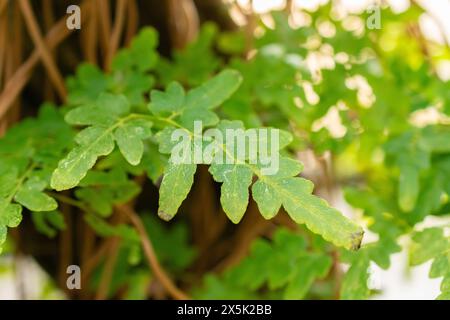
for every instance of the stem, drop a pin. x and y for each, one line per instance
(68, 200)
(150, 254)
(109, 266)
(20, 182)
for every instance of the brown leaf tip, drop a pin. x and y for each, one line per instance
(165, 216)
(356, 239)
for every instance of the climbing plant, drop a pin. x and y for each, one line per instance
(114, 137)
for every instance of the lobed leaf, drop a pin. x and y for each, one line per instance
(109, 121)
(175, 186)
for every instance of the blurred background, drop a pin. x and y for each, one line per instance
(26, 81)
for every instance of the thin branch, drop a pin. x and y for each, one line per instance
(89, 36)
(110, 264)
(337, 274)
(133, 21)
(89, 266)
(104, 20)
(3, 5)
(117, 31)
(150, 254)
(49, 62)
(20, 78)
(108, 270)
(248, 230)
(49, 20)
(183, 22)
(65, 247)
(3, 41)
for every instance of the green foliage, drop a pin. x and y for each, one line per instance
(118, 127)
(286, 267)
(355, 283)
(292, 193)
(431, 244)
(194, 64)
(141, 55)
(109, 120)
(171, 244)
(101, 190)
(28, 154)
(49, 223)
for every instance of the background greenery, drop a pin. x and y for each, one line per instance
(355, 102)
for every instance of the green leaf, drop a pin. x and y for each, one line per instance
(198, 102)
(172, 242)
(137, 286)
(3, 232)
(214, 92)
(143, 51)
(440, 266)
(141, 56)
(285, 263)
(427, 245)
(175, 186)
(444, 296)
(381, 251)
(104, 111)
(304, 208)
(234, 191)
(168, 102)
(409, 188)
(87, 84)
(109, 121)
(101, 190)
(35, 200)
(49, 223)
(8, 181)
(195, 63)
(411, 158)
(154, 163)
(232, 42)
(354, 285)
(268, 201)
(129, 139)
(10, 214)
(28, 154)
(31, 195)
(270, 192)
(432, 244)
(178, 178)
(280, 189)
(93, 143)
(435, 139)
(310, 268)
(355, 282)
